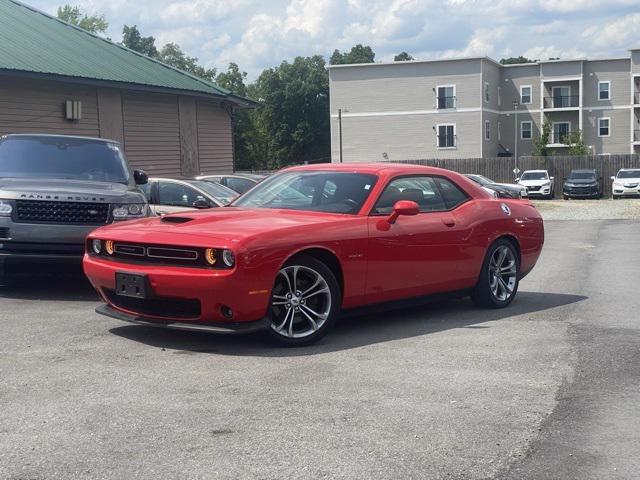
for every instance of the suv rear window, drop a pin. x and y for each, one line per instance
(62, 158)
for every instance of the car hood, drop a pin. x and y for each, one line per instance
(627, 180)
(220, 227)
(533, 183)
(69, 190)
(581, 181)
(509, 186)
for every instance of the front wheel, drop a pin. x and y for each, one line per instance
(305, 302)
(499, 277)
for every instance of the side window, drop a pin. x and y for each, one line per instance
(452, 195)
(240, 185)
(421, 190)
(177, 195)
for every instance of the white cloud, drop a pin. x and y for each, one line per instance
(622, 32)
(482, 44)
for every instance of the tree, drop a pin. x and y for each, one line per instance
(172, 54)
(73, 15)
(576, 143)
(514, 60)
(291, 124)
(402, 57)
(540, 144)
(233, 79)
(357, 54)
(132, 39)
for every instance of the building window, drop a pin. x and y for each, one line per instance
(446, 96)
(486, 92)
(525, 130)
(603, 127)
(487, 130)
(562, 97)
(499, 97)
(499, 132)
(561, 132)
(525, 94)
(446, 135)
(604, 90)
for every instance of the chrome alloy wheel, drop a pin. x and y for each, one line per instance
(301, 302)
(502, 273)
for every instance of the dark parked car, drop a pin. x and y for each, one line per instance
(585, 183)
(54, 190)
(237, 182)
(503, 190)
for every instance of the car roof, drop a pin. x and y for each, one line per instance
(545, 171)
(586, 170)
(51, 135)
(372, 168)
(629, 169)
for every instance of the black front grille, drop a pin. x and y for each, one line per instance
(76, 213)
(4, 233)
(161, 307)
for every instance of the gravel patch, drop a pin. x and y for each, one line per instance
(606, 209)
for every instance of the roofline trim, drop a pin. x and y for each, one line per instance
(409, 62)
(56, 135)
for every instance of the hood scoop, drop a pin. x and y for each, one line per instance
(172, 219)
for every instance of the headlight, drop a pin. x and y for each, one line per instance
(5, 208)
(96, 246)
(108, 246)
(228, 258)
(210, 256)
(129, 211)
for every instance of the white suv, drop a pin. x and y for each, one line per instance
(537, 182)
(626, 183)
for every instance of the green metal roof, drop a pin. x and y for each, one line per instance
(32, 41)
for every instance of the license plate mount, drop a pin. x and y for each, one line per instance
(132, 285)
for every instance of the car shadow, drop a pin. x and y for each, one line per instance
(69, 286)
(351, 332)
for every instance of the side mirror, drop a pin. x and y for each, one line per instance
(517, 179)
(550, 178)
(403, 207)
(613, 178)
(140, 177)
(201, 204)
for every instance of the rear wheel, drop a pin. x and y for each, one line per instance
(499, 277)
(305, 302)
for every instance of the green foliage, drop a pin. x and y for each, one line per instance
(402, 57)
(172, 54)
(357, 54)
(132, 39)
(540, 148)
(75, 16)
(576, 143)
(233, 79)
(515, 60)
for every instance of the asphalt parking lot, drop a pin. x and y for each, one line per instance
(545, 389)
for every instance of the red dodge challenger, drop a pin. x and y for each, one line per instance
(309, 242)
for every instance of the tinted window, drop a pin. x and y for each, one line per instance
(240, 185)
(451, 193)
(534, 176)
(336, 192)
(146, 189)
(629, 174)
(63, 158)
(177, 194)
(422, 190)
(218, 191)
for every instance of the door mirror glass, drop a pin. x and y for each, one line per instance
(140, 177)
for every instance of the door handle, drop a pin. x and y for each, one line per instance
(448, 221)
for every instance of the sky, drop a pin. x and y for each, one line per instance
(259, 34)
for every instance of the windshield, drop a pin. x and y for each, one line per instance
(534, 176)
(217, 191)
(582, 176)
(629, 174)
(62, 158)
(336, 192)
(480, 179)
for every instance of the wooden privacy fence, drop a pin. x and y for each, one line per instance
(501, 169)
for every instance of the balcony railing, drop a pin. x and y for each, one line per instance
(446, 102)
(559, 138)
(447, 141)
(562, 101)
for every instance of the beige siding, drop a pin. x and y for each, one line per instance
(561, 69)
(614, 71)
(152, 133)
(514, 77)
(215, 142)
(510, 130)
(34, 106)
(619, 137)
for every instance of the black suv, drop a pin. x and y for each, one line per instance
(582, 184)
(54, 190)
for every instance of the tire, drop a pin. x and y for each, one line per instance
(298, 320)
(489, 292)
(565, 197)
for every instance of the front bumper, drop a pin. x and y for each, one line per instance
(586, 192)
(184, 295)
(541, 192)
(227, 327)
(625, 191)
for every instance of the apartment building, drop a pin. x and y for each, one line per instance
(476, 107)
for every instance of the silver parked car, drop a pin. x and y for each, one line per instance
(239, 182)
(168, 195)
